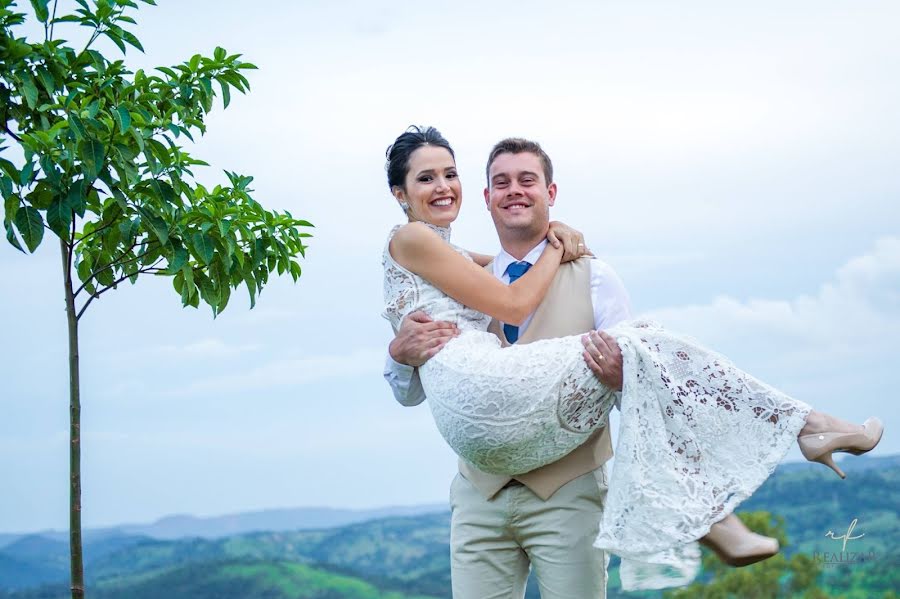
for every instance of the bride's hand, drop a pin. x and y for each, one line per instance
(570, 240)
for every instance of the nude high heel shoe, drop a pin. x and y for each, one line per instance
(818, 447)
(737, 545)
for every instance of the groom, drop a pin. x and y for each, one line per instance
(546, 518)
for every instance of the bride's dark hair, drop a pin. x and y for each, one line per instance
(398, 153)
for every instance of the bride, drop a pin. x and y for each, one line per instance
(697, 435)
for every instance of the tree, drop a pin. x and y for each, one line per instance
(94, 158)
(777, 576)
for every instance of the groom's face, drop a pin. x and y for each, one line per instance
(518, 195)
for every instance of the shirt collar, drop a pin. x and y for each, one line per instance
(503, 259)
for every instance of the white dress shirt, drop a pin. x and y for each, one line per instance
(608, 297)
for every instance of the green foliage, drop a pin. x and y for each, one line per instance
(275, 579)
(777, 576)
(97, 162)
(100, 165)
(247, 579)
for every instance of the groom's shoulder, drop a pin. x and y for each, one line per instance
(598, 265)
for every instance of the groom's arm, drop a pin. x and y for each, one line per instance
(418, 340)
(611, 306)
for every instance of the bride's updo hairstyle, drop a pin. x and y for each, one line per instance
(398, 153)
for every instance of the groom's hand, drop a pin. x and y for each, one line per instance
(420, 338)
(604, 358)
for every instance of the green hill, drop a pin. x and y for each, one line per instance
(409, 556)
(215, 580)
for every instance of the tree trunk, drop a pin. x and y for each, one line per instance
(75, 546)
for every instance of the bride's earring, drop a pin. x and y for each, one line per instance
(404, 207)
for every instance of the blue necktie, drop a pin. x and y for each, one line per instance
(514, 270)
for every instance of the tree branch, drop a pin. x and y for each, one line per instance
(53, 18)
(8, 130)
(94, 232)
(115, 263)
(112, 286)
(72, 245)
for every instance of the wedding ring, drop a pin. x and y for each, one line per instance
(581, 245)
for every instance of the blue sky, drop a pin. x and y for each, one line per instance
(736, 165)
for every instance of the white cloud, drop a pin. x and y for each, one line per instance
(858, 311)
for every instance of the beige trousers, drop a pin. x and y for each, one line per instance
(493, 541)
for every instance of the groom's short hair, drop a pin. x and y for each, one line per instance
(518, 145)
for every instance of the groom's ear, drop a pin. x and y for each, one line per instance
(487, 198)
(551, 192)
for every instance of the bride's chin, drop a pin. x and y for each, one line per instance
(444, 221)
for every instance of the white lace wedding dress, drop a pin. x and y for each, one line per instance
(697, 435)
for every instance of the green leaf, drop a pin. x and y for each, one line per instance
(224, 296)
(190, 286)
(226, 93)
(40, 9)
(59, 217)
(84, 269)
(11, 206)
(10, 169)
(67, 19)
(116, 39)
(11, 237)
(76, 199)
(50, 170)
(91, 152)
(203, 246)
(157, 225)
(25, 175)
(132, 40)
(77, 126)
(46, 80)
(123, 118)
(178, 259)
(6, 188)
(163, 191)
(167, 71)
(160, 152)
(29, 90)
(129, 228)
(138, 138)
(31, 226)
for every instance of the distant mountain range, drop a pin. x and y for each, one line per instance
(406, 556)
(214, 527)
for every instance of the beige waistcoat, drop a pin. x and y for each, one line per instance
(566, 310)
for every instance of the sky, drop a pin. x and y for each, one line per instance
(736, 165)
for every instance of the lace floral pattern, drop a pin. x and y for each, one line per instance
(697, 435)
(406, 292)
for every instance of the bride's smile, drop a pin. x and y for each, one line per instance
(431, 190)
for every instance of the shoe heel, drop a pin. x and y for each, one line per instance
(828, 460)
